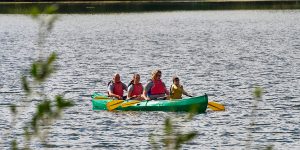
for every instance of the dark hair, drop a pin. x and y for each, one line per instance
(175, 78)
(130, 83)
(111, 81)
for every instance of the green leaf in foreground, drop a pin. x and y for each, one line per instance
(62, 103)
(42, 69)
(184, 138)
(51, 9)
(14, 145)
(51, 58)
(168, 126)
(270, 147)
(34, 12)
(44, 108)
(25, 85)
(13, 108)
(258, 92)
(153, 143)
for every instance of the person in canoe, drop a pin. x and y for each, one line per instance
(135, 88)
(116, 88)
(155, 88)
(176, 89)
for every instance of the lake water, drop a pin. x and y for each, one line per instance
(222, 53)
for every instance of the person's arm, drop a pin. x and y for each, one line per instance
(130, 89)
(185, 93)
(141, 94)
(146, 90)
(141, 97)
(145, 95)
(166, 90)
(171, 90)
(125, 87)
(111, 94)
(114, 95)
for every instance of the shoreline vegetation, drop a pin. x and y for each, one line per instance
(119, 6)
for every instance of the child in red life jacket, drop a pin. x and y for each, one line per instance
(116, 87)
(135, 88)
(155, 88)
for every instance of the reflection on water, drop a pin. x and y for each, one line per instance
(221, 53)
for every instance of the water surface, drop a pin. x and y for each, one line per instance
(222, 53)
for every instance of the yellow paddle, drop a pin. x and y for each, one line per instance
(113, 104)
(215, 106)
(101, 97)
(130, 103)
(116, 103)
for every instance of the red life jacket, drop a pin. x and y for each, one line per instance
(137, 89)
(157, 88)
(118, 89)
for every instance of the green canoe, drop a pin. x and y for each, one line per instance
(196, 104)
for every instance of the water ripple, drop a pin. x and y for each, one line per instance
(222, 53)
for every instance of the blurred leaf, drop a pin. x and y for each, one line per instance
(51, 58)
(44, 71)
(25, 85)
(34, 121)
(153, 142)
(14, 145)
(51, 9)
(184, 138)
(51, 21)
(44, 108)
(167, 141)
(34, 12)
(34, 70)
(193, 111)
(40, 70)
(13, 109)
(168, 126)
(270, 147)
(27, 134)
(168, 133)
(258, 92)
(47, 71)
(62, 103)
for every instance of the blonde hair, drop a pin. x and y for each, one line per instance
(133, 77)
(154, 73)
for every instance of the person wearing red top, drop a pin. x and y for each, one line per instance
(135, 88)
(116, 87)
(155, 88)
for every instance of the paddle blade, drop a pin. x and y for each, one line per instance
(130, 103)
(113, 104)
(215, 106)
(101, 98)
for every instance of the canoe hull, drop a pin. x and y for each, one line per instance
(195, 104)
